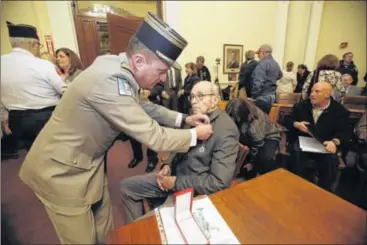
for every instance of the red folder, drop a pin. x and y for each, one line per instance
(185, 221)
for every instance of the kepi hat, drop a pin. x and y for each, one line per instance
(22, 31)
(161, 39)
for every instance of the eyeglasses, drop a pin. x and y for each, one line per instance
(199, 96)
(39, 44)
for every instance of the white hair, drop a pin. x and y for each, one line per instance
(20, 41)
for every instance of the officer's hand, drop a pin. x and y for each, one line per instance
(165, 171)
(197, 119)
(204, 131)
(147, 93)
(181, 92)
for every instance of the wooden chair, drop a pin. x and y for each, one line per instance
(274, 113)
(355, 102)
(222, 104)
(241, 156)
(288, 98)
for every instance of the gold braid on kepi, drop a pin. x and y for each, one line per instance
(161, 39)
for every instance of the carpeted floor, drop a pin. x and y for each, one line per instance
(29, 221)
(26, 215)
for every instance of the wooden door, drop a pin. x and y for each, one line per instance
(87, 39)
(120, 30)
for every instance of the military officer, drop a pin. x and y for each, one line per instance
(65, 166)
(30, 86)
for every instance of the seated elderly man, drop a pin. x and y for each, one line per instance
(325, 119)
(207, 167)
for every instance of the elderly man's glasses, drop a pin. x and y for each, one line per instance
(199, 96)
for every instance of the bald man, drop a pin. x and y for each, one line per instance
(207, 167)
(325, 119)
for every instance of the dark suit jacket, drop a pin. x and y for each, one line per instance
(332, 123)
(209, 167)
(245, 78)
(204, 74)
(156, 94)
(350, 69)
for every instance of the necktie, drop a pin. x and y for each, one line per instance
(173, 77)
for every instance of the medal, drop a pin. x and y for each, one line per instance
(202, 147)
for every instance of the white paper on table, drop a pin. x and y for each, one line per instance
(308, 144)
(208, 218)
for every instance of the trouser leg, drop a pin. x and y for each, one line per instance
(137, 149)
(103, 218)
(327, 166)
(301, 163)
(266, 157)
(134, 190)
(72, 225)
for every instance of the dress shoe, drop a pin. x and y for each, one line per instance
(5, 156)
(134, 163)
(151, 166)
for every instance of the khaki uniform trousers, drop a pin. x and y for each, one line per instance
(82, 225)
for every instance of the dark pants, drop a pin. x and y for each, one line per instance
(265, 102)
(172, 102)
(8, 144)
(26, 125)
(138, 152)
(307, 165)
(265, 158)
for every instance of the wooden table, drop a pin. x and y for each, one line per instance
(276, 208)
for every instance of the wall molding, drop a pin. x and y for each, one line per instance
(313, 33)
(62, 24)
(171, 14)
(281, 31)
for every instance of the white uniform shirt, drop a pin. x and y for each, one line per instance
(28, 82)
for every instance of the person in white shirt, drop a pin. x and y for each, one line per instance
(288, 82)
(30, 86)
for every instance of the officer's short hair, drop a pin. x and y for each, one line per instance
(136, 46)
(19, 41)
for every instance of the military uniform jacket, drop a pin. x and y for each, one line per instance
(65, 164)
(209, 166)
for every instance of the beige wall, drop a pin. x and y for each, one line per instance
(344, 21)
(23, 12)
(207, 27)
(297, 31)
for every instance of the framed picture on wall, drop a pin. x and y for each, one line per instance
(232, 58)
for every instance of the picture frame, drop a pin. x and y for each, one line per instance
(232, 58)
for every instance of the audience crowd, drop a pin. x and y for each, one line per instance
(208, 167)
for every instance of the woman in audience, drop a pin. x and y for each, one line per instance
(69, 64)
(302, 74)
(191, 79)
(258, 132)
(288, 82)
(327, 71)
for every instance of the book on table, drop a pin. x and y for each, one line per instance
(193, 222)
